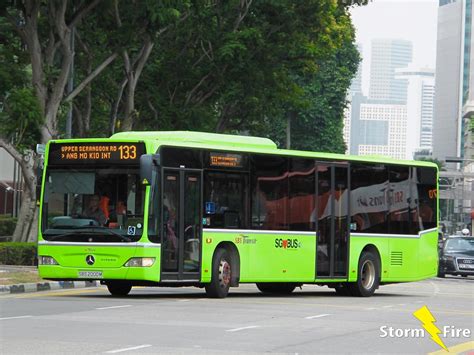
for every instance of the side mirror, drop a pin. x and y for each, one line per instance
(147, 164)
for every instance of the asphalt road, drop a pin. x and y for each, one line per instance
(183, 320)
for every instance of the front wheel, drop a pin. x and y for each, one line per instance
(221, 275)
(119, 288)
(368, 278)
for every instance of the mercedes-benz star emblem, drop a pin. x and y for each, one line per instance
(90, 260)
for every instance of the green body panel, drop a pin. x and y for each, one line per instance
(260, 257)
(108, 259)
(402, 259)
(357, 244)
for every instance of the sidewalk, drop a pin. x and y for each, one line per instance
(29, 272)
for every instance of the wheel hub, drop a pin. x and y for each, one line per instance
(368, 274)
(224, 273)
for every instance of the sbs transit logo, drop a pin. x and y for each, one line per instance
(288, 243)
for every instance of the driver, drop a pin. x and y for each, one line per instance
(93, 210)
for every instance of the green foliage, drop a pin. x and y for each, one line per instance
(14, 68)
(7, 225)
(21, 120)
(18, 253)
(215, 66)
(318, 124)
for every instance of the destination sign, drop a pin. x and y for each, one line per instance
(94, 153)
(226, 160)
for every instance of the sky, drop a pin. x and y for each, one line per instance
(413, 20)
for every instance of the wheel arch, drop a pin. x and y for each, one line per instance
(374, 250)
(234, 260)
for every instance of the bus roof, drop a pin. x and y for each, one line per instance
(203, 140)
(226, 140)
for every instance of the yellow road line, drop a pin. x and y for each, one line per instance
(456, 349)
(67, 292)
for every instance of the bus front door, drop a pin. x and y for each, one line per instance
(181, 224)
(332, 220)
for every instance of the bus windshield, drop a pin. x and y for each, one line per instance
(103, 204)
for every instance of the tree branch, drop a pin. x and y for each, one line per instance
(83, 11)
(91, 77)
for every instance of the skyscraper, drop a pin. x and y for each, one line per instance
(452, 76)
(420, 100)
(388, 55)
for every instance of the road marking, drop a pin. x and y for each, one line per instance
(127, 349)
(58, 293)
(186, 300)
(112, 307)
(318, 316)
(389, 306)
(370, 309)
(242, 328)
(457, 349)
(18, 317)
(402, 304)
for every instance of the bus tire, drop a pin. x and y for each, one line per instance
(283, 288)
(368, 276)
(117, 288)
(221, 275)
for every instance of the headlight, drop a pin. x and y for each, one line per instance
(448, 258)
(140, 262)
(47, 260)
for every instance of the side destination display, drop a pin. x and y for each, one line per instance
(95, 153)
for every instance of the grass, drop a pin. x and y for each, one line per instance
(19, 277)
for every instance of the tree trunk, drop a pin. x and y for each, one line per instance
(129, 110)
(26, 228)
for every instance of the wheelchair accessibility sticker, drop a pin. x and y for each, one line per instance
(131, 230)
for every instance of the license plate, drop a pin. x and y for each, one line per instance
(90, 274)
(466, 266)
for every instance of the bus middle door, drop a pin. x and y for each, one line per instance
(181, 224)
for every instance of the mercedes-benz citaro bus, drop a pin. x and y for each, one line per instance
(214, 211)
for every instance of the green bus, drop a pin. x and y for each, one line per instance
(214, 211)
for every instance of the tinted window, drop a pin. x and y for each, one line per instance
(399, 200)
(225, 200)
(301, 195)
(177, 157)
(425, 215)
(369, 198)
(269, 192)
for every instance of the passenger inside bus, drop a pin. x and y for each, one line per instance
(94, 211)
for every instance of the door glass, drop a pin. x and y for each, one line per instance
(170, 222)
(192, 221)
(324, 216)
(341, 196)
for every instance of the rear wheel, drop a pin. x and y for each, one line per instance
(119, 288)
(368, 276)
(283, 288)
(221, 275)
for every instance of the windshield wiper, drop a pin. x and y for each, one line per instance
(89, 230)
(111, 232)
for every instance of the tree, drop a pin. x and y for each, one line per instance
(20, 127)
(45, 28)
(319, 125)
